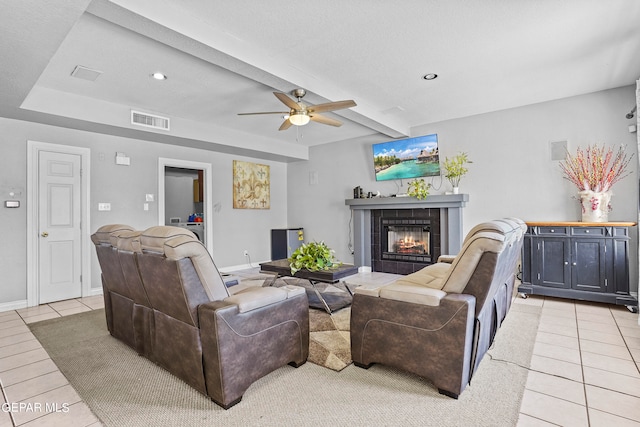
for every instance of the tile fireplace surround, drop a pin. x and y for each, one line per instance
(450, 221)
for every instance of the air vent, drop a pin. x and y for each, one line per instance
(85, 73)
(149, 120)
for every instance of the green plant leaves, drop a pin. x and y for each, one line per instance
(454, 168)
(312, 256)
(419, 189)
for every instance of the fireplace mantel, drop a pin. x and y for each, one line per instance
(450, 220)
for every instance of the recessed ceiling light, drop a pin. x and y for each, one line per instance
(159, 76)
(430, 76)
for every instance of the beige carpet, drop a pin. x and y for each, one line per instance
(124, 389)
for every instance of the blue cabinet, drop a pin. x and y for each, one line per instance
(582, 261)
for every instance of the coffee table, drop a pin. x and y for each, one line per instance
(282, 269)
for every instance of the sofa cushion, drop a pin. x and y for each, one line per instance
(430, 276)
(253, 298)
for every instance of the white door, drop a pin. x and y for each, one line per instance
(59, 222)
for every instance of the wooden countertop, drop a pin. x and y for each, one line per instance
(578, 224)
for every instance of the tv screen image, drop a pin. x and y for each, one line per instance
(407, 158)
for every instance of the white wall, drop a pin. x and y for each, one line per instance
(125, 187)
(511, 174)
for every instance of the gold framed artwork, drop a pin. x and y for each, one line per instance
(251, 185)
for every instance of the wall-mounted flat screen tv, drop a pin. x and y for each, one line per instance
(407, 158)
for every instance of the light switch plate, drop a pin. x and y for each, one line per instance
(104, 206)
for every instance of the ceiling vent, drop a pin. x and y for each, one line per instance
(149, 120)
(85, 73)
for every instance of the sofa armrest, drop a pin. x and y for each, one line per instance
(407, 293)
(446, 258)
(253, 298)
(432, 342)
(238, 348)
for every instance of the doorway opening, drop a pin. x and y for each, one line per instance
(185, 197)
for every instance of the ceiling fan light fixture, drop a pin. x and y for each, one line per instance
(299, 118)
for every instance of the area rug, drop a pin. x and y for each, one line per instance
(329, 340)
(124, 389)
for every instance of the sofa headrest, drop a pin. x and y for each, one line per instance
(466, 261)
(512, 228)
(103, 234)
(127, 241)
(499, 226)
(153, 238)
(519, 223)
(177, 243)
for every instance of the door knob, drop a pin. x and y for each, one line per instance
(45, 234)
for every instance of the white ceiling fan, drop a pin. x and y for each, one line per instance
(300, 114)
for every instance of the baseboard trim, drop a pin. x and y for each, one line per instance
(95, 291)
(13, 305)
(241, 267)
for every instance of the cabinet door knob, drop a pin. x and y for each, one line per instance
(553, 231)
(566, 262)
(574, 263)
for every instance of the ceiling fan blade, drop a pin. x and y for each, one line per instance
(264, 112)
(331, 106)
(325, 120)
(287, 101)
(285, 125)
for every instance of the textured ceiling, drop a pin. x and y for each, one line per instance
(227, 57)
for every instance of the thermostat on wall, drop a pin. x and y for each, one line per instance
(12, 203)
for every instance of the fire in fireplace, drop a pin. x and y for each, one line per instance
(406, 239)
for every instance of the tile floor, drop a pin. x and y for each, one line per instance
(38, 393)
(585, 368)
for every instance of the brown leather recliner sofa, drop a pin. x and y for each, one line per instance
(165, 298)
(439, 322)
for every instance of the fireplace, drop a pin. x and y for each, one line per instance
(406, 239)
(443, 215)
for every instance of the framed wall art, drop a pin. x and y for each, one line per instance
(251, 185)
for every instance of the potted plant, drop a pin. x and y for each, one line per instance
(455, 169)
(594, 170)
(419, 189)
(312, 256)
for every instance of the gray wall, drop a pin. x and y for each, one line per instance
(511, 174)
(125, 187)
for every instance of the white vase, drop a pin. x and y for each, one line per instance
(456, 190)
(595, 206)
